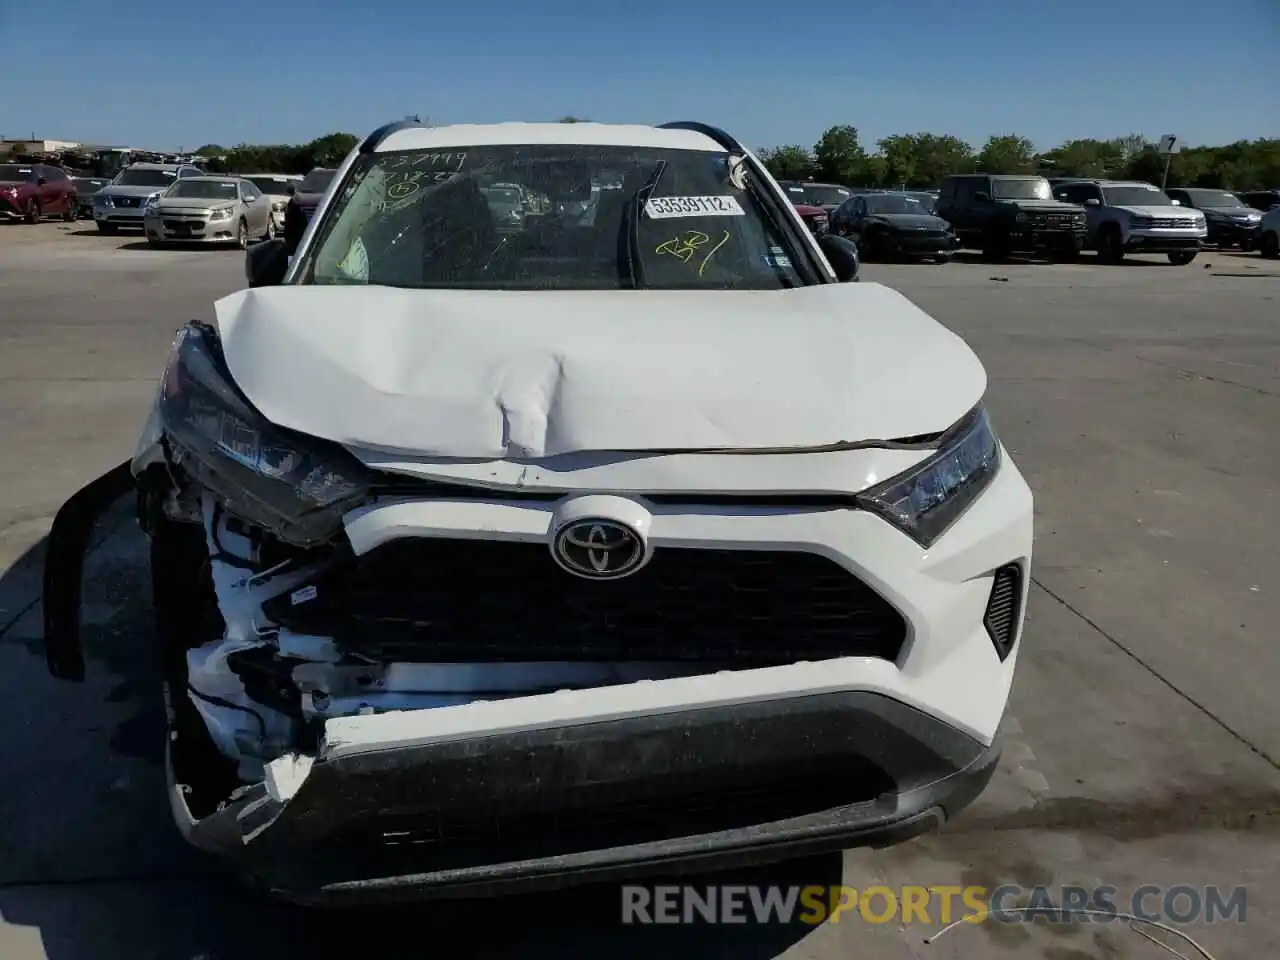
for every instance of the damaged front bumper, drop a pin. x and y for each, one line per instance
(407, 805)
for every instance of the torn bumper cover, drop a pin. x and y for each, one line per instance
(402, 816)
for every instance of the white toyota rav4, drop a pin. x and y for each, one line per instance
(627, 538)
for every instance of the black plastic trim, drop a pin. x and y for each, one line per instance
(375, 139)
(715, 133)
(66, 548)
(918, 772)
(1007, 578)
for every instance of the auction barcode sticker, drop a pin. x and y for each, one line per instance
(668, 208)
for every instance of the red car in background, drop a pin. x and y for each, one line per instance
(35, 190)
(816, 218)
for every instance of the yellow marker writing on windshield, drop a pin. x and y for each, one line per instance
(684, 248)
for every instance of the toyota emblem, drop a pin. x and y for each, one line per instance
(598, 549)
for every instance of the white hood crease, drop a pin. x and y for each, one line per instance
(504, 374)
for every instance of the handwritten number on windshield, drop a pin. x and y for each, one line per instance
(690, 245)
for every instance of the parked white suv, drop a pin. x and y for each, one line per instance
(1127, 216)
(489, 556)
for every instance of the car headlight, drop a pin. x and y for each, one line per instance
(294, 485)
(99, 200)
(1022, 217)
(927, 499)
(220, 213)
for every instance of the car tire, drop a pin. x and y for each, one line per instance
(69, 215)
(1180, 258)
(271, 229)
(995, 245)
(1269, 245)
(1110, 244)
(242, 235)
(32, 213)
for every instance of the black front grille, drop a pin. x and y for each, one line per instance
(178, 225)
(1001, 618)
(127, 201)
(425, 599)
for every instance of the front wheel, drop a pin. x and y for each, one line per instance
(242, 235)
(32, 213)
(1180, 258)
(1110, 244)
(271, 229)
(69, 214)
(1269, 245)
(995, 245)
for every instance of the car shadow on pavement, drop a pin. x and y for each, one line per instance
(93, 868)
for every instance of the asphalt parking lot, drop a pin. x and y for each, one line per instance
(1142, 402)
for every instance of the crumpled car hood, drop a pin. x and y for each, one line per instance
(497, 374)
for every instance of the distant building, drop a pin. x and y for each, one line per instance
(38, 146)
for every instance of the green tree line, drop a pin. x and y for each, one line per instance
(923, 159)
(911, 159)
(326, 151)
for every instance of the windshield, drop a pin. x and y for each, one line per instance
(817, 195)
(894, 203)
(1036, 188)
(1135, 196)
(15, 173)
(317, 181)
(927, 200)
(421, 219)
(271, 186)
(145, 178)
(204, 189)
(1213, 198)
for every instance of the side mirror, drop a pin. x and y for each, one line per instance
(41, 181)
(842, 254)
(1093, 202)
(982, 195)
(266, 263)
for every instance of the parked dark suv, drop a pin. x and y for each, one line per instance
(1230, 222)
(1000, 215)
(1263, 200)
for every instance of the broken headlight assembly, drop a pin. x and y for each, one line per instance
(295, 486)
(927, 499)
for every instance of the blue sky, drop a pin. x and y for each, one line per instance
(162, 74)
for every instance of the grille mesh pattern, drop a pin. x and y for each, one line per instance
(1001, 618)
(425, 599)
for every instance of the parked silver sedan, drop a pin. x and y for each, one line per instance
(209, 210)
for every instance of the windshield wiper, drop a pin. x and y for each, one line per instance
(629, 235)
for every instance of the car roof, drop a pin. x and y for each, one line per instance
(156, 166)
(211, 178)
(581, 134)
